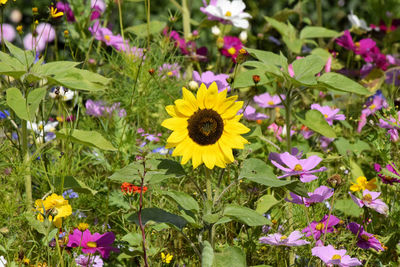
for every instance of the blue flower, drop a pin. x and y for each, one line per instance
(4, 114)
(70, 194)
(161, 150)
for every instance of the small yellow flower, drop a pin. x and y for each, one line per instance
(3, 2)
(54, 14)
(66, 33)
(83, 226)
(35, 10)
(19, 29)
(363, 184)
(166, 258)
(36, 22)
(54, 208)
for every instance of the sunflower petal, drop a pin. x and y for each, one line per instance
(171, 110)
(201, 95)
(175, 123)
(235, 127)
(177, 136)
(184, 107)
(208, 156)
(232, 110)
(227, 103)
(189, 97)
(212, 95)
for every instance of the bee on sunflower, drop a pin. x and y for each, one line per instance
(205, 128)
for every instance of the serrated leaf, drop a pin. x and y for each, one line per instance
(183, 199)
(160, 216)
(306, 68)
(314, 120)
(317, 32)
(77, 186)
(128, 173)
(245, 215)
(268, 57)
(332, 80)
(88, 138)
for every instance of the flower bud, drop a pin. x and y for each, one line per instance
(215, 30)
(193, 85)
(243, 36)
(256, 79)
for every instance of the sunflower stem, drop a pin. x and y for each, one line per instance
(208, 184)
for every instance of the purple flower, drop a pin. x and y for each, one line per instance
(277, 239)
(393, 125)
(393, 77)
(370, 200)
(169, 70)
(70, 194)
(330, 256)
(385, 178)
(94, 108)
(325, 141)
(64, 7)
(89, 261)
(9, 32)
(267, 101)
(93, 243)
(329, 113)
(4, 114)
(251, 114)
(105, 35)
(301, 167)
(373, 104)
(346, 41)
(316, 229)
(365, 240)
(209, 77)
(160, 150)
(319, 195)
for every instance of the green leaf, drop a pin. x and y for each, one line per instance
(356, 170)
(268, 57)
(336, 81)
(230, 256)
(116, 199)
(245, 78)
(78, 79)
(35, 223)
(77, 185)
(281, 27)
(53, 68)
(317, 32)
(87, 138)
(141, 30)
(11, 66)
(162, 169)
(134, 239)
(245, 215)
(306, 68)
(345, 148)
(265, 67)
(34, 99)
(265, 202)
(128, 173)
(159, 216)
(348, 207)
(314, 120)
(17, 103)
(207, 255)
(26, 57)
(183, 199)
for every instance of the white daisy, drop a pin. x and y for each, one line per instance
(229, 12)
(41, 127)
(63, 93)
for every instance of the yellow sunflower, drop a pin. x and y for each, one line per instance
(205, 128)
(54, 207)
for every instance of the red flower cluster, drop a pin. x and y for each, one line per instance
(130, 189)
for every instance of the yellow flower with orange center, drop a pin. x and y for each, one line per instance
(54, 208)
(362, 184)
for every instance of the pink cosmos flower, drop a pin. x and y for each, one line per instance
(93, 243)
(365, 240)
(87, 261)
(32, 43)
(385, 178)
(279, 131)
(209, 77)
(231, 47)
(373, 104)
(277, 239)
(251, 114)
(307, 133)
(316, 229)
(329, 113)
(46, 32)
(187, 48)
(346, 41)
(370, 200)
(268, 101)
(169, 70)
(325, 141)
(9, 32)
(330, 256)
(392, 125)
(300, 167)
(319, 195)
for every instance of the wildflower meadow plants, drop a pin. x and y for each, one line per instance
(199, 133)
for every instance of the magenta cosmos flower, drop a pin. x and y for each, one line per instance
(277, 239)
(329, 113)
(300, 167)
(365, 240)
(320, 194)
(316, 229)
(209, 77)
(251, 114)
(279, 131)
(93, 243)
(392, 125)
(64, 7)
(268, 101)
(330, 256)
(370, 200)
(231, 47)
(373, 104)
(385, 178)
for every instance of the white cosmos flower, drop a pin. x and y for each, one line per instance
(230, 12)
(41, 127)
(358, 23)
(63, 93)
(3, 261)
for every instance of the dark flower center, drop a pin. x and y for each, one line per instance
(205, 127)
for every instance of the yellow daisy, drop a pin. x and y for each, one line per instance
(205, 128)
(363, 184)
(54, 207)
(166, 258)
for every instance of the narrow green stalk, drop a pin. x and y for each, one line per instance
(329, 216)
(208, 184)
(27, 174)
(319, 19)
(148, 22)
(186, 33)
(120, 20)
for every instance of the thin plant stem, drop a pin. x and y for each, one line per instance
(27, 175)
(146, 264)
(208, 184)
(329, 216)
(148, 22)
